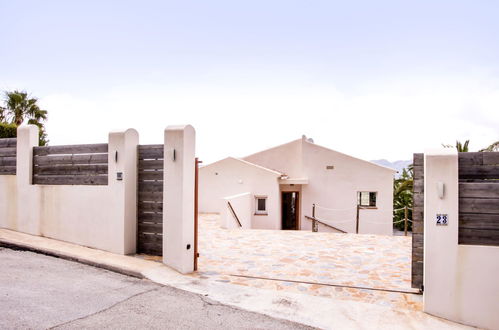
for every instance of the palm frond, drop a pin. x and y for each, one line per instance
(494, 147)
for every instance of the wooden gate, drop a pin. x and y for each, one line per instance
(150, 199)
(417, 222)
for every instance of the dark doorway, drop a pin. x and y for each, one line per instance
(290, 210)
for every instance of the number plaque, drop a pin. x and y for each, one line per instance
(442, 219)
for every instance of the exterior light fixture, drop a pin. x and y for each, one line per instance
(441, 189)
(173, 154)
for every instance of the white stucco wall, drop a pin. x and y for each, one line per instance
(8, 201)
(232, 176)
(285, 158)
(102, 217)
(306, 162)
(333, 189)
(337, 189)
(477, 286)
(461, 282)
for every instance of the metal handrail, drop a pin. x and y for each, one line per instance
(325, 224)
(402, 208)
(234, 213)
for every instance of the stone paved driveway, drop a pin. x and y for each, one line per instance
(324, 264)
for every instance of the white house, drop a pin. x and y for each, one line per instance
(277, 188)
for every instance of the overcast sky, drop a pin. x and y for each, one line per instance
(374, 79)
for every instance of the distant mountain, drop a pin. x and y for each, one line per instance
(397, 165)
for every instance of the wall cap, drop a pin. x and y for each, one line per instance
(179, 128)
(441, 152)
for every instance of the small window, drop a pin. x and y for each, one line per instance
(366, 198)
(261, 205)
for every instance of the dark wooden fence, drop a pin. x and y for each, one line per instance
(479, 198)
(8, 154)
(150, 199)
(85, 164)
(418, 222)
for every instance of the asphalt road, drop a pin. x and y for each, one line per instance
(41, 292)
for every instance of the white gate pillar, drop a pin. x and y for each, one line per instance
(28, 195)
(441, 197)
(178, 198)
(122, 160)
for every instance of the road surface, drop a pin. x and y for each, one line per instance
(42, 292)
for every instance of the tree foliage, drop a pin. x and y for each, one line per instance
(464, 147)
(403, 197)
(3, 117)
(494, 147)
(20, 107)
(461, 147)
(8, 130)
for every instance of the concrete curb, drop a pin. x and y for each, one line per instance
(24, 247)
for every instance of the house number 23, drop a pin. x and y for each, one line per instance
(442, 219)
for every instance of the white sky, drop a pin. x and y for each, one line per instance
(375, 80)
(389, 120)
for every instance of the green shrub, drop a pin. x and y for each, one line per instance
(8, 130)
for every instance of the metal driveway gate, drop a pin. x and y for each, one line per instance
(150, 199)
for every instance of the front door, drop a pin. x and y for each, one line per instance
(290, 210)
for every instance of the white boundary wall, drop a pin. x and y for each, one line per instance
(461, 282)
(105, 217)
(102, 217)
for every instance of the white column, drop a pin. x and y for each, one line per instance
(122, 180)
(441, 196)
(28, 198)
(178, 198)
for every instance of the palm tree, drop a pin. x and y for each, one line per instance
(459, 146)
(19, 106)
(462, 147)
(493, 147)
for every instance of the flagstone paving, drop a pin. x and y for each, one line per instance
(323, 264)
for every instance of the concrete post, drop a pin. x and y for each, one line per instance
(441, 197)
(28, 196)
(122, 178)
(178, 198)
